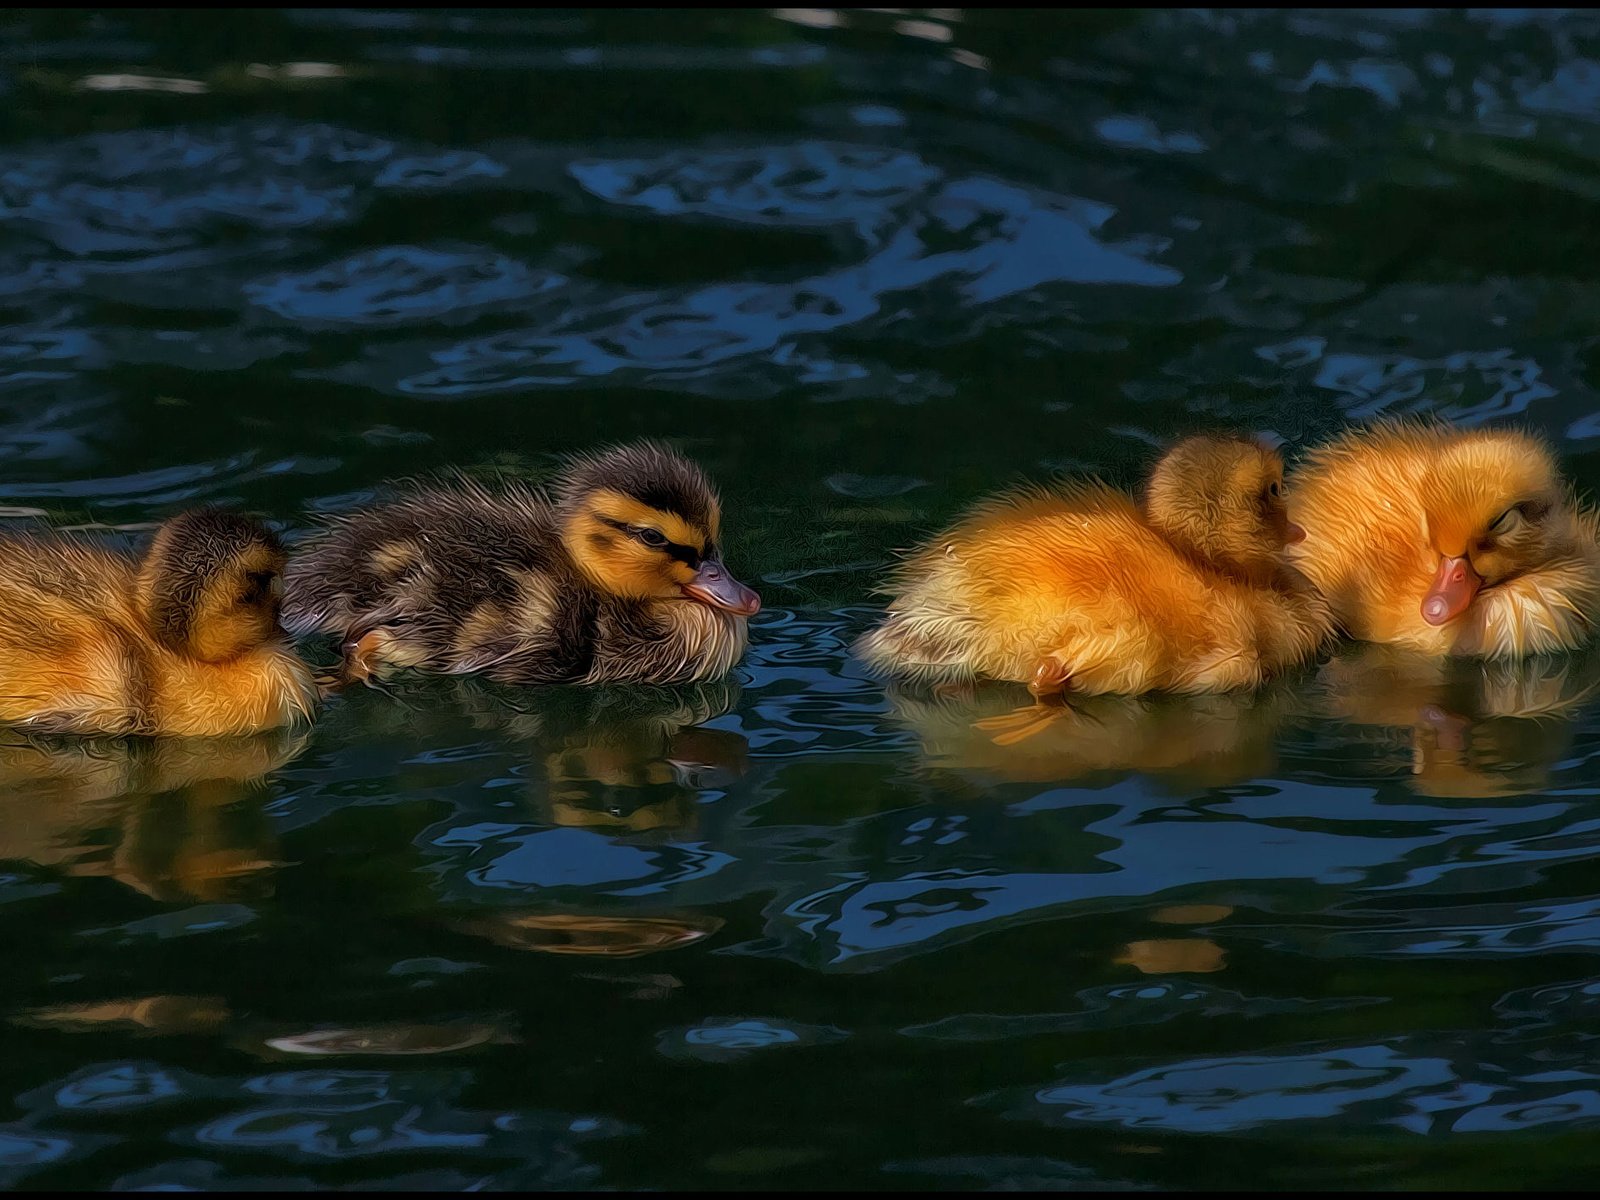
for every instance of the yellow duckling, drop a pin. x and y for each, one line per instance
(1079, 588)
(615, 578)
(1449, 541)
(183, 641)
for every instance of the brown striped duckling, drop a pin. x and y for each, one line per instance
(614, 576)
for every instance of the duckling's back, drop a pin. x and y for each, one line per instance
(68, 636)
(1078, 573)
(1358, 498)
(454, 572)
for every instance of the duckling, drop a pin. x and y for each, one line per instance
(184, 640)
(1078, 587)
(614, 578)
(1449, 541)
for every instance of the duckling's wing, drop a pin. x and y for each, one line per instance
(461, 578)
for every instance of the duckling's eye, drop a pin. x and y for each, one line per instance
(650, 537)
(1508, 520)
(1274, 489)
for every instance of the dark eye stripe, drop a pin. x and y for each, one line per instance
(684, 554)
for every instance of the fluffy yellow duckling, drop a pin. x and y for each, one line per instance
(1080, 588)
(616, 578)
(1449, 541)
(183, 641)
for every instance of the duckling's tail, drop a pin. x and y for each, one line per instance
(921, 646)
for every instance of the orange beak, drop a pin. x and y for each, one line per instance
(714, 586)
(1453, 590)
(1293, 533)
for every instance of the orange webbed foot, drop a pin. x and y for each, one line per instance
(1050, 678)
(361, 651)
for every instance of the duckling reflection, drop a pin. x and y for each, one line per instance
(166, 1016)
(159, 1015)
(629, 759)
(1461, 728)
(591, 934)
(175, 819)
(1208, 740)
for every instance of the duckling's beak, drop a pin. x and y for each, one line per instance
(1453, 589)
(714, 586)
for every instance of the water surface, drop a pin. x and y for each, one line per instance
(796, 930)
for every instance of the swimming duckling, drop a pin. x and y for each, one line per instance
(1079, 588)
(183, 641)
(1449, 541)
(615, 578)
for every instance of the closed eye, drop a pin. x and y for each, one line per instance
(1508, 520)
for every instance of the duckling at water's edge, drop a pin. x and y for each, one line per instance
(1449, 541)
(1078, 588)
(183, 641)
(614, 577)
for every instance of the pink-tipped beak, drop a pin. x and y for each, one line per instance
(1293, 534)
(1454, 588)
(714, 586)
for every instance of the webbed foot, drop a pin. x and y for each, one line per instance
(1050, 678)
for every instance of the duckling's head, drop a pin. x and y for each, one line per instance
(1221, 499)
(1495, 507)
(642, 522)
(210, 583)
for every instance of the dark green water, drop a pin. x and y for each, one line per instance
(795, 931)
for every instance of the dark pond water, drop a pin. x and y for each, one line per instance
(795, 930)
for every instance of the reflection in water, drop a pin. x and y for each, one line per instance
(1427, 1084)
(1464, 728)
(205, 1016)
(1162, 956)
(729, 1039)
(157, 1015)
(312, 1117)
(591, 934)
(1204, 741)
(611, 783)
(404, 1039)
(626, 759)
(177, 819)
(1148, 1002)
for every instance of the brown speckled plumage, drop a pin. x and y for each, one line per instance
(456, 576)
